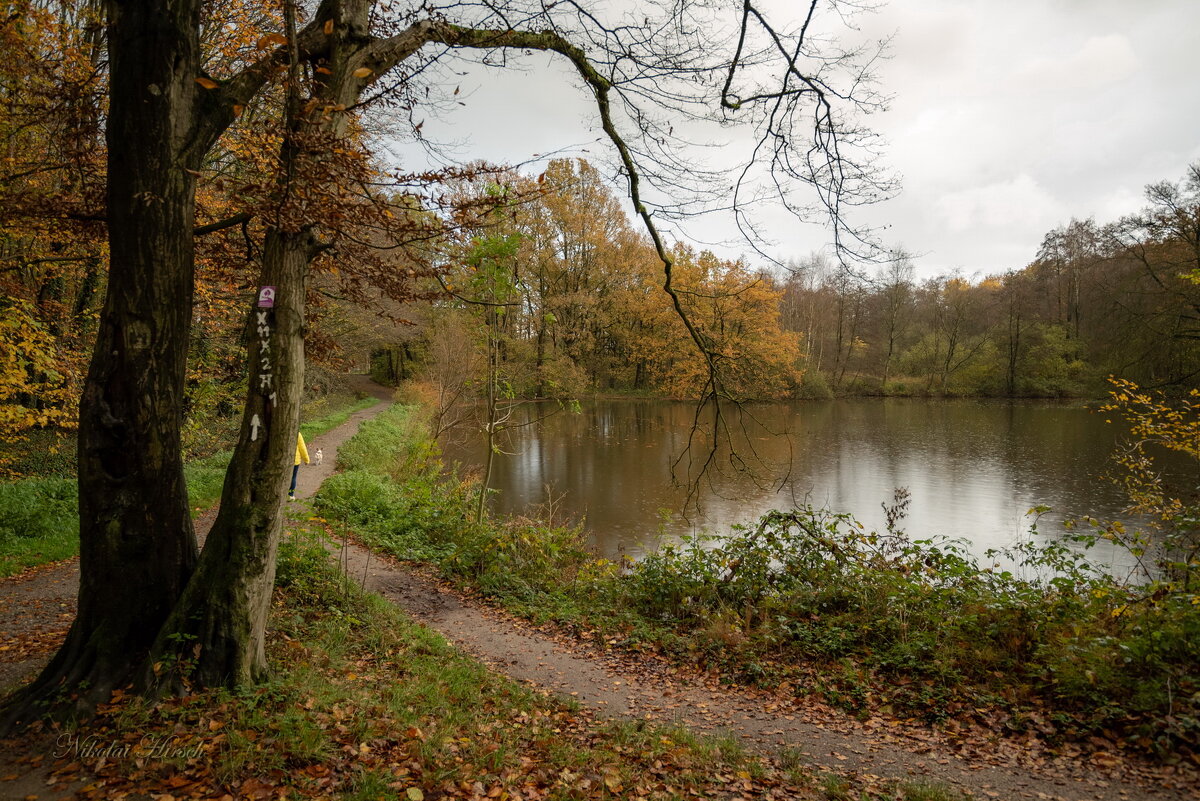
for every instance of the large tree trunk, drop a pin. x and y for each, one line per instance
(137, 546)
(216, 635)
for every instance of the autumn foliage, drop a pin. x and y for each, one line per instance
(584, 311)
(589, 315)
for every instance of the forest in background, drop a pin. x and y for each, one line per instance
(431, 272)
(582, 313)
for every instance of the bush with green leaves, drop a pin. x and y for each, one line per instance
(39, 522)
(926, 617)
(38, 508)
(917, 625)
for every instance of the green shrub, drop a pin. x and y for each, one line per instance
(903, 387)
(302, 567)
(39, 522)
(420, 517)
(813, 386)
(38, 508)
(359, 497)
(813, 584)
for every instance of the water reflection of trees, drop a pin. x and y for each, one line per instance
(973, 468)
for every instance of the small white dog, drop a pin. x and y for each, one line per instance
(319, 456)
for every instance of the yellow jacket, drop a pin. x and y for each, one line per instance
(301, 450)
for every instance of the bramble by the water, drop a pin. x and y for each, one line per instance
(872, 620)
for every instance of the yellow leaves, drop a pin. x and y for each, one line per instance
(1173, 425)
(328, 27)
(29, 373)
(363, 72)
(207, 83)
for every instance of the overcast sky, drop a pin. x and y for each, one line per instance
(1007, 120)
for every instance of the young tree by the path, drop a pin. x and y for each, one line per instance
(669, 64)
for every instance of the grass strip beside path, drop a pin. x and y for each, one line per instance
(366, 704)
(39, 517)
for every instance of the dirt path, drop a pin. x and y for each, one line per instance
(42, 602)
(652, 690)
(38, 605)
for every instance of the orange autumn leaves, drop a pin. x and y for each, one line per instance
(51, 194)
(589, 312)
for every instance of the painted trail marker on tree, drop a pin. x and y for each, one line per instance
(266, 378)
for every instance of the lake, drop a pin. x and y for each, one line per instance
(973, 468)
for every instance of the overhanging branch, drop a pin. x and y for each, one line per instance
(236, 219)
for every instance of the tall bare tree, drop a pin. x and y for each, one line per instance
(896, 302)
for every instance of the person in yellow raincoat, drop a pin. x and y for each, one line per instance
(301, 453)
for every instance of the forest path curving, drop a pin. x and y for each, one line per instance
(646, 687)
(39, 604)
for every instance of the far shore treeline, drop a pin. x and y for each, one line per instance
(582, 313)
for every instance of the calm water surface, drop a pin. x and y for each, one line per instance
(973, 468)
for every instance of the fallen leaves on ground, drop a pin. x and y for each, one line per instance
(979, 736)
(328, 730)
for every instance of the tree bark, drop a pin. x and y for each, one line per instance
(216, 634)
(137, 545)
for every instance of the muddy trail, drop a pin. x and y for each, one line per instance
(36, 608)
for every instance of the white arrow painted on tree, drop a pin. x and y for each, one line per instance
(254, 424)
